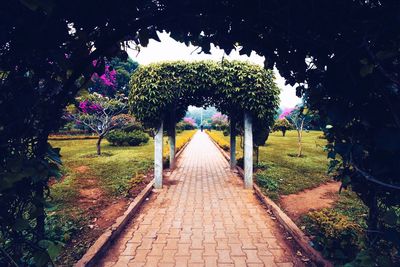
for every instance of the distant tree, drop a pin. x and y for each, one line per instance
(187, 124)
(282, 125)
(219, 122)
(124, 70)
(300, 117)
(101, 114)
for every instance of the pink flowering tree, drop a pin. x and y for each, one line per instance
(106, 83)
(190, 121)
(100, 113)
(187, 123)
(219, 121)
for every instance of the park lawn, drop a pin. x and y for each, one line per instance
(278, 163)
(292, 174)
(93, 185)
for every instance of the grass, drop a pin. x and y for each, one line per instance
(277, 163)
(113, 170)
(114, 175)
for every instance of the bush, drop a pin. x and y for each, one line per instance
(222, 142)
(122, 138)
(183, 125)
(334, 234)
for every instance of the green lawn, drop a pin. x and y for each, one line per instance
(278, 164)
(113, 171)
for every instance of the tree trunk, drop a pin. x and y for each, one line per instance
(299, 137)
(98, 144)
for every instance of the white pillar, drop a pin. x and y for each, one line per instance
(232, 145)
(248, 151)
(172, 148)
(158, 157)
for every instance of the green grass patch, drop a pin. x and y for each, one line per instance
(277, 163)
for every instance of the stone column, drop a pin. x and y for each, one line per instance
(158, 157)
(248, 151)
(172, 147)
(232, 145)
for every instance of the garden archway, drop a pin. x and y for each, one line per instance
(161, 93)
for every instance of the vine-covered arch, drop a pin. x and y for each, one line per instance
(161, 93)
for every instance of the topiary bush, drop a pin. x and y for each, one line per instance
(334, 234)
(122, 138)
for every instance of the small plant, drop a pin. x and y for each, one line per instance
(122, 138)
(267, 182)
(334, 234)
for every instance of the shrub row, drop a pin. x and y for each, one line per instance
(216, 136)
(72, 137)
(122, 138)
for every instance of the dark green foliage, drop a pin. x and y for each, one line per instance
(182, 125)
(123, 138)
(267, 182)
(124, 71)
(334, 234)
(282, 125)
(352, 76)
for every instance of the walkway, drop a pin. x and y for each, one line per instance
(202, 217)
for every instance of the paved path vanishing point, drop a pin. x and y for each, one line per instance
(202, 217)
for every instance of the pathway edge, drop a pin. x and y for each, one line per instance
(105, 240)
(301, 239)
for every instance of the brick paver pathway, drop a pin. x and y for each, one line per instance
(202, 217)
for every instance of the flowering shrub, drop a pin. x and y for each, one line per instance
(190, 121)
(186, 124)
(219, 122)
(88, 107)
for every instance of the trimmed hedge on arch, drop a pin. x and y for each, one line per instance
(163, 91)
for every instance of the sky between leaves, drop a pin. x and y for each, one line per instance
(168, 49)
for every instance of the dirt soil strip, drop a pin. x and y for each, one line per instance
(323, 196)
(301, 239)
(105, 240)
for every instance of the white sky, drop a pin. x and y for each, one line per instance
(168, 49)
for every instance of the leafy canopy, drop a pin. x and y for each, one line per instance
(159, 90)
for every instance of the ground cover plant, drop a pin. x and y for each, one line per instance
(95, 189)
